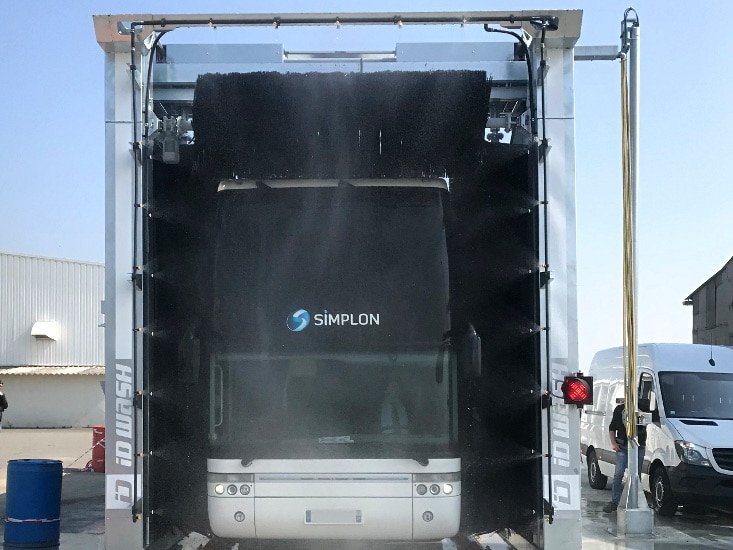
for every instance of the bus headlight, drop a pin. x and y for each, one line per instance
(232, 489)
(437, 482)
(219, 489)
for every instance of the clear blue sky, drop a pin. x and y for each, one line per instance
(52, 139)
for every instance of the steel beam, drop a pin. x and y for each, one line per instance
(109, 38)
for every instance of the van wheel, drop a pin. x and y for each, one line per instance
(663, 500)
(596, 479)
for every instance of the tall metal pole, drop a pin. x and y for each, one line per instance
(633, 516)
(631, 405)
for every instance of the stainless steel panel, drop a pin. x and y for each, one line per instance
(455, 52)
(562, 488)
(122, 532)
(224, 53)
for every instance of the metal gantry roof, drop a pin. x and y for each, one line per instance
(109, 38)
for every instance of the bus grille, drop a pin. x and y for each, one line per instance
(724, 458)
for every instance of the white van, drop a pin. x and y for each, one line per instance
(688, 388)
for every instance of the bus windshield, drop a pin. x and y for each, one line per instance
(707, 395)
(332, 405)
(331, 322)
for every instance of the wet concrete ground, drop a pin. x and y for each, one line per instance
(686, 530)
(82, 509)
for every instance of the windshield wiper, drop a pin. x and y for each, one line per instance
(421, 460)
(440, 359)
(335, 439)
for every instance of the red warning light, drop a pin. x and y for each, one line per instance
(578, 390)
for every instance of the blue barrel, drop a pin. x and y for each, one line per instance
(33, 503)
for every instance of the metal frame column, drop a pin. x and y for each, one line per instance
(120, 531)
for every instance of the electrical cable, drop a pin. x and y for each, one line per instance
(135, 270)
(551, 21)
(545, 201)
(146, 111)
(625, 28)
(530, 76)
(146, 182)
(636, 16)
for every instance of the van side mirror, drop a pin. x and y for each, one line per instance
(470, 358)
(649, 406)
(654, 407)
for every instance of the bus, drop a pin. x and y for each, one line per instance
(333, 373)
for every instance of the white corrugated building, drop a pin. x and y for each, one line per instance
(51, 341)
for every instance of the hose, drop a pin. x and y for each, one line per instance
(629, 306)
(545, 202)
(146, 111)
(136, 271)
(146, 184)
(530, 76)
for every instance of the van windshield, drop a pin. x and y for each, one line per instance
(706, 395)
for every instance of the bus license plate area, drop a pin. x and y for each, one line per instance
(333, 517)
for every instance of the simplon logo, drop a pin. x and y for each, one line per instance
(300, 319)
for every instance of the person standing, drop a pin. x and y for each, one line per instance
(620, 444)
(3, 404)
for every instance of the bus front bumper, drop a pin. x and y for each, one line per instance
(326, 518)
